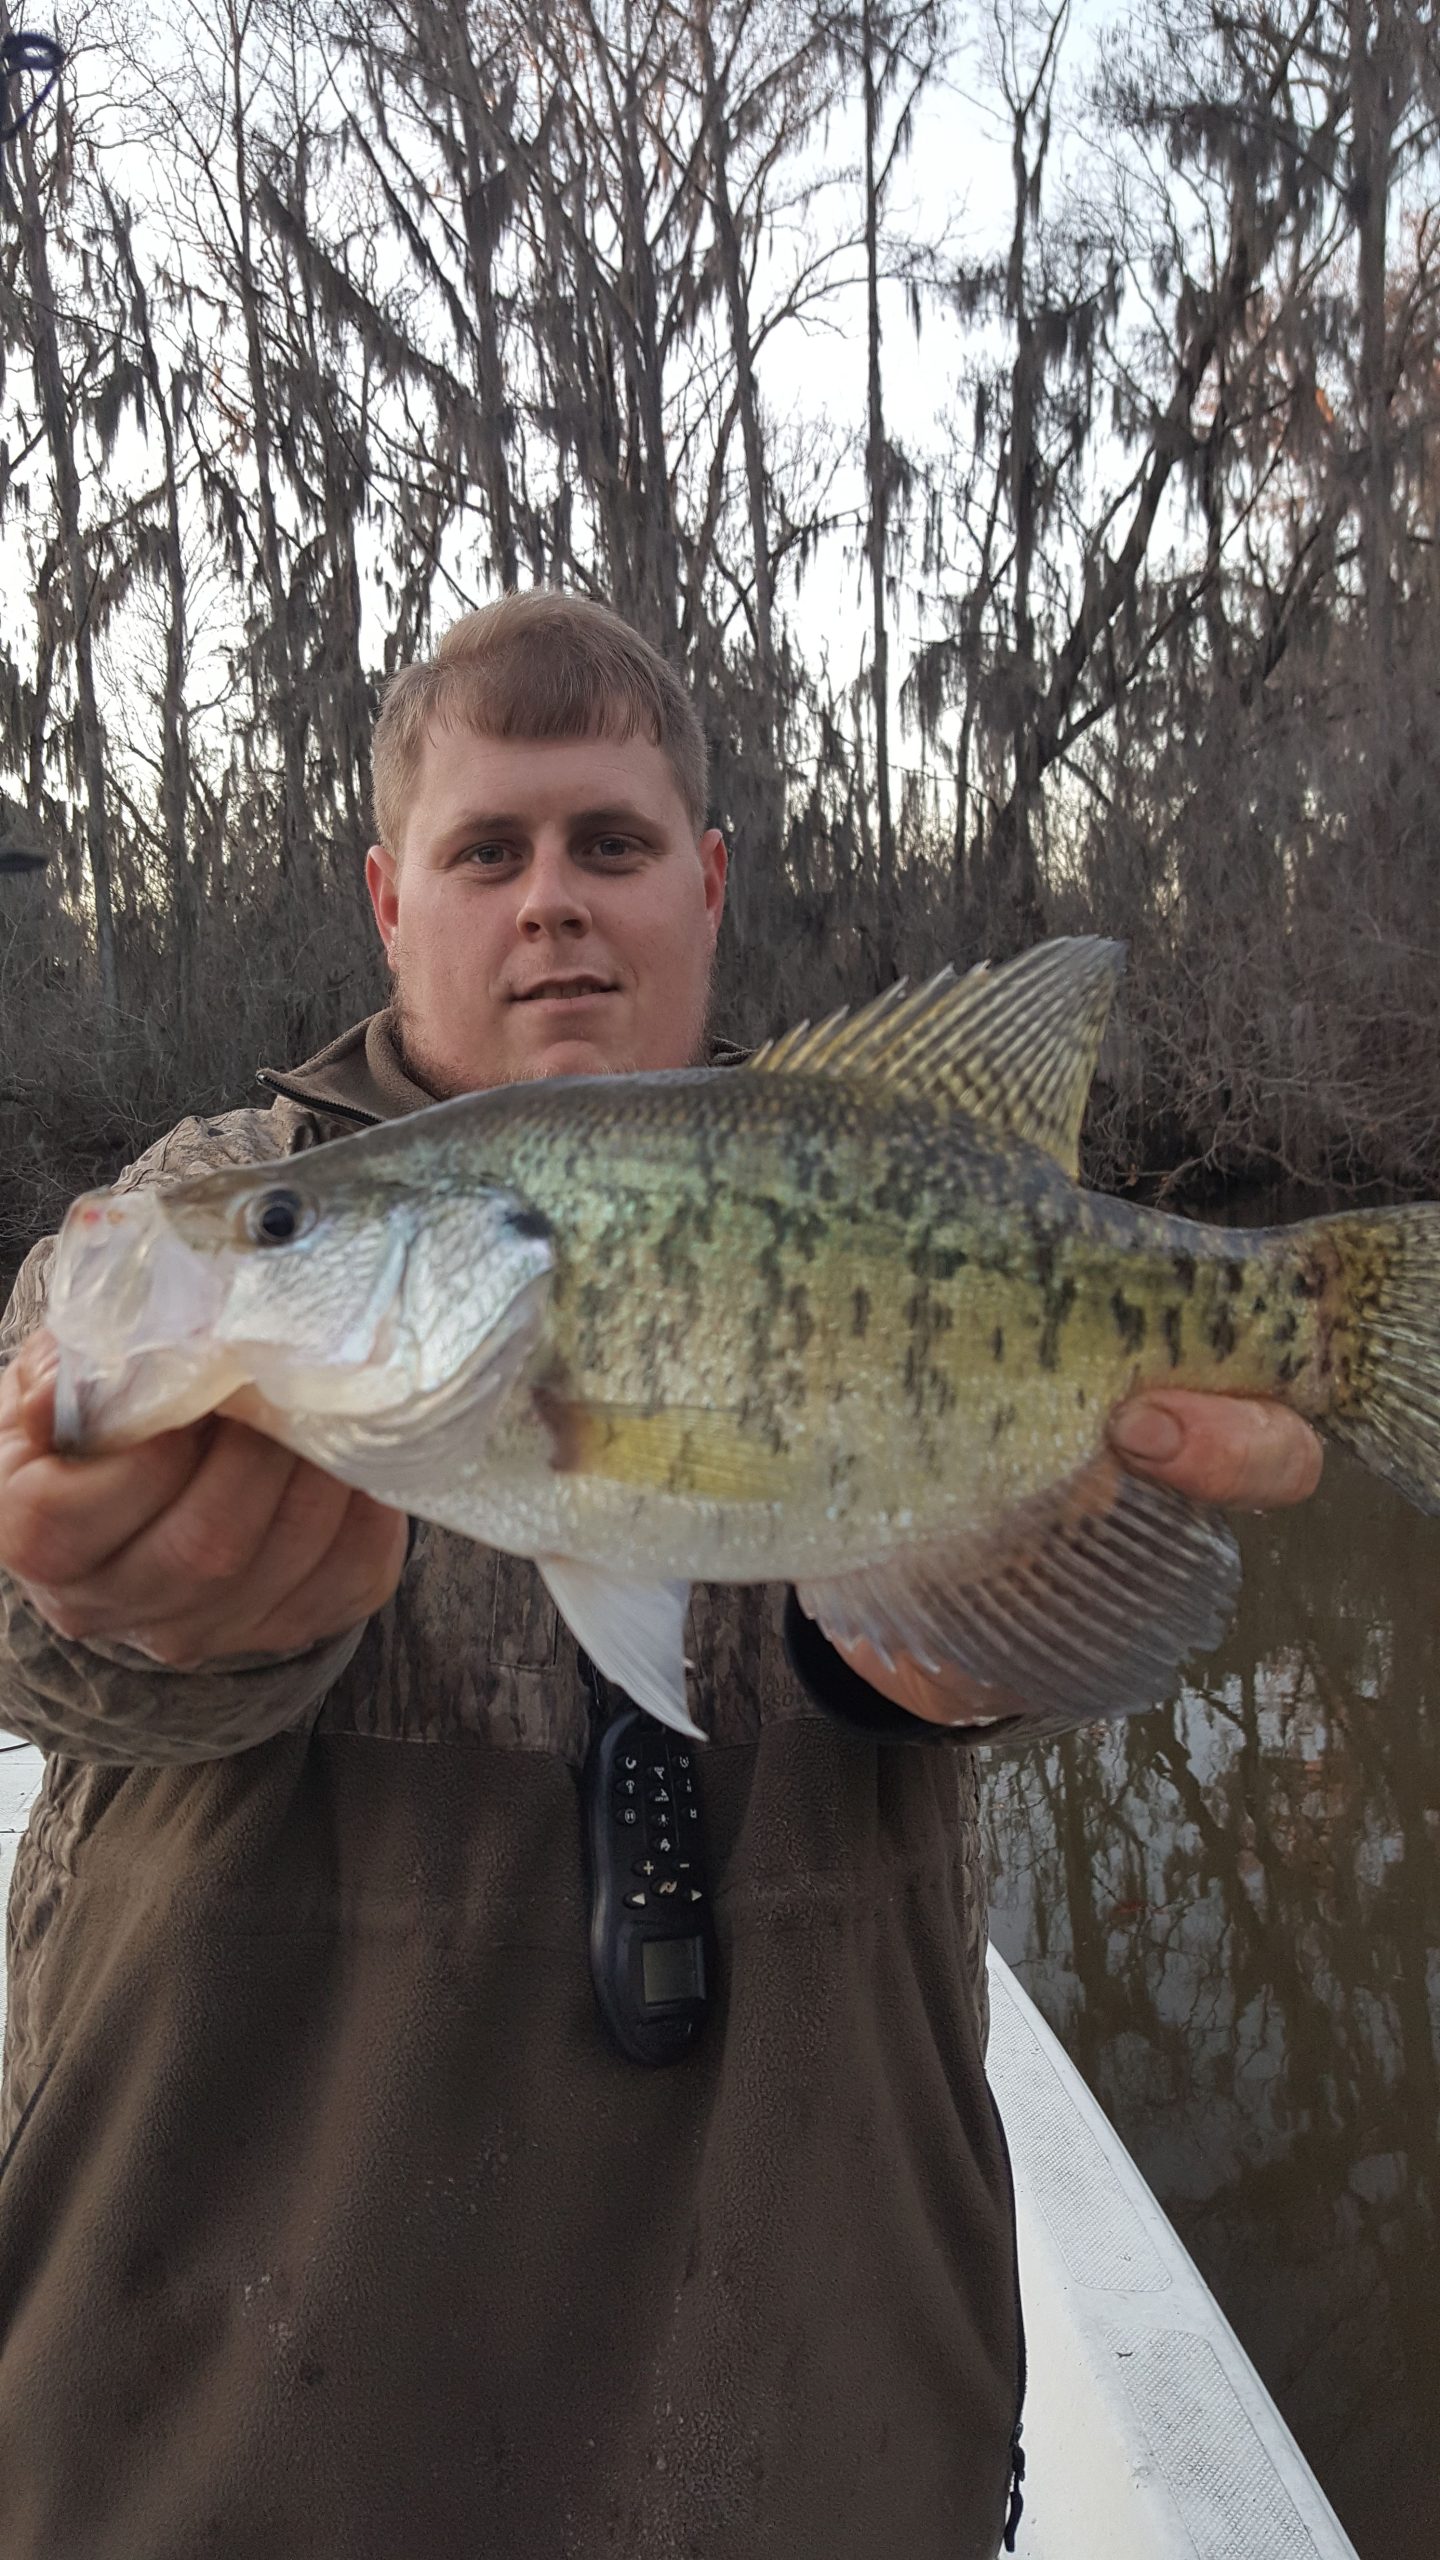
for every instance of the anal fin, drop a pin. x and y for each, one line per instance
(1088, 1607)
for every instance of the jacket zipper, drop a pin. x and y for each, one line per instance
(1014, 2486)
(332, 1110)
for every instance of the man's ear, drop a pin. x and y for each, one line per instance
(381, 879)
(715, 868)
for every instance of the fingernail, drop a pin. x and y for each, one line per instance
(1146, 1431)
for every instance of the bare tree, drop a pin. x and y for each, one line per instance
(422, 303)
(894, 53)
(33, 191)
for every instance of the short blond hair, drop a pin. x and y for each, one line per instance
(537, 665)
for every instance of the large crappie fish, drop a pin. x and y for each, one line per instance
(841, 1317)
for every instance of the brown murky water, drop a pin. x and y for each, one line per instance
(1230, 1913)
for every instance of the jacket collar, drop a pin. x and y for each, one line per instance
(361, 1077)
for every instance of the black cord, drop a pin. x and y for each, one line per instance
(28, 56)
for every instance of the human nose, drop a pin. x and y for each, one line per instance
(554, 900)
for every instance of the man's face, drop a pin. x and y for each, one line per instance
(551, 911)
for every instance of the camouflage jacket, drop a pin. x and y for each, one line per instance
(318, 2165)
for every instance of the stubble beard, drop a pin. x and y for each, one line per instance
(425, 1070)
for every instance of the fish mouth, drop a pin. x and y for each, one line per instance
(131, 1310)
(112, 1406)
(70, 1434)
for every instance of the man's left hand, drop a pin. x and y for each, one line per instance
(1231, 1449)
(1218, 1449)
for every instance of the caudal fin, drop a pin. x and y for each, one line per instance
(1385, 1346)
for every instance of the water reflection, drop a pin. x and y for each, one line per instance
(1230, 1913)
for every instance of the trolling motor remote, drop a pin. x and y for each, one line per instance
(652, 1946)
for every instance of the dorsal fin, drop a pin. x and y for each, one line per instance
(1015, 1046)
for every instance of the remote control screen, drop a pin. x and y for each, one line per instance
(673, 1969)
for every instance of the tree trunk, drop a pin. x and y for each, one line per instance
(877, 480)
(1372, 111)
(174, 710)
(282, 709)
(59, 425)
(1014, 843)
(656, 550)
(752, 439)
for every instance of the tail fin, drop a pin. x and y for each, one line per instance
(1385, 1346)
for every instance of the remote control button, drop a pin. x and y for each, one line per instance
(664, 1846)
(643, 1867)
(682, 1759)
(637, 1901)
(631, 1760)
(695, 1893)
(626, 1813)
(667, 1884)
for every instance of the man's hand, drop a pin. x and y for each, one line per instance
(1220, 1449)
(1227, 1449)
(194, 1546)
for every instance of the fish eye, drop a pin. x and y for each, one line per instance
(277, 1217)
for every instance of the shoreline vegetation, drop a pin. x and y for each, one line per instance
(1060, 556)
(1219, 1084)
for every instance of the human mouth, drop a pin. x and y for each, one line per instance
(564, 991)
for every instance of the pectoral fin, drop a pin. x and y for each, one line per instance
(1089, 1609)
(634, 1632)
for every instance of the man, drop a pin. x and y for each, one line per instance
(330, 2223)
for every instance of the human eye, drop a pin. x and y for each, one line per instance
(613, 849)
(490, 854)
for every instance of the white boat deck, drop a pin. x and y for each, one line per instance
(1148, 2433)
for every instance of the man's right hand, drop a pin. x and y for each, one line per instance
(194, 1546)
